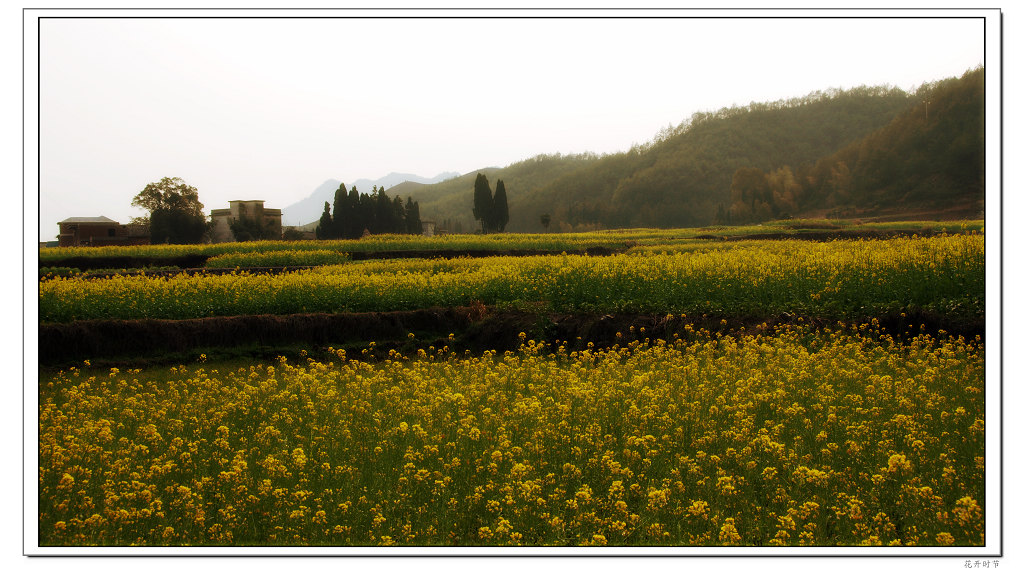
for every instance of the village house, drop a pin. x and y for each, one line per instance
(98, 232)
(222, 219)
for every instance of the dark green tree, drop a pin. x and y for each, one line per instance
(176, 227)
(342, 223)
(382, 213)
(355, 227)
(499, 212)
(175, 213)
(397, 216)
(413, 223)
(325, 229)
(251, 229)
(366, 216)
(292, 234)
(483, 203)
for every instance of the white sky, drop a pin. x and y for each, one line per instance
(270, 108)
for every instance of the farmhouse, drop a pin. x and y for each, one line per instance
(237, 210)
(98, 232)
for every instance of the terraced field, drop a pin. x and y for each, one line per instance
(756, 386)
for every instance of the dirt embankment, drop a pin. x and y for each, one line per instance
(474, 329)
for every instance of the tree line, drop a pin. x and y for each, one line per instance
(491, 209)
(356, 214)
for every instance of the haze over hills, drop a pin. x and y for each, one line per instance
(866, 151)
(681, 177)
(309, 209)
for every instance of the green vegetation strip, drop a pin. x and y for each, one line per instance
(289, 258)
(613, 239)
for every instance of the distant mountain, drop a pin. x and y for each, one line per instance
(309, 209)
(392, 179)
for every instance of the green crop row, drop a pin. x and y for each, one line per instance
(282, 258)
(614, 239)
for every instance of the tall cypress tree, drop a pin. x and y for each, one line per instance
(381, 211)
(500, 211)
(483, 202)
(366, 215)
(323, 230)
(355, 225)
(342, 214)
(397, 216)
(413, 223)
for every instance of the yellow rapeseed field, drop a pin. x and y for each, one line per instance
(839, 279)
(796, 437)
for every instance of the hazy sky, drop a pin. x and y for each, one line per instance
(246, 108)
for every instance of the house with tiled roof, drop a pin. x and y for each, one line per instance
(99, 231)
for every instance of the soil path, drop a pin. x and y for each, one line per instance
(473, 329)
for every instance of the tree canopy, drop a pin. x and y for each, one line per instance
(175, 213)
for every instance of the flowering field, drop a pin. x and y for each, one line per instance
(794, 437)
(838, 279)
(556, 242)
(837, 434)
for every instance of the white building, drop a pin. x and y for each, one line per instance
(222, 219)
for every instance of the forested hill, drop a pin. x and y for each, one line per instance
(755, 162)
(930, 159)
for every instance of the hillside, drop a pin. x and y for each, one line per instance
(930, 158)
(680, 177)
(750, 163)
(452, 200)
